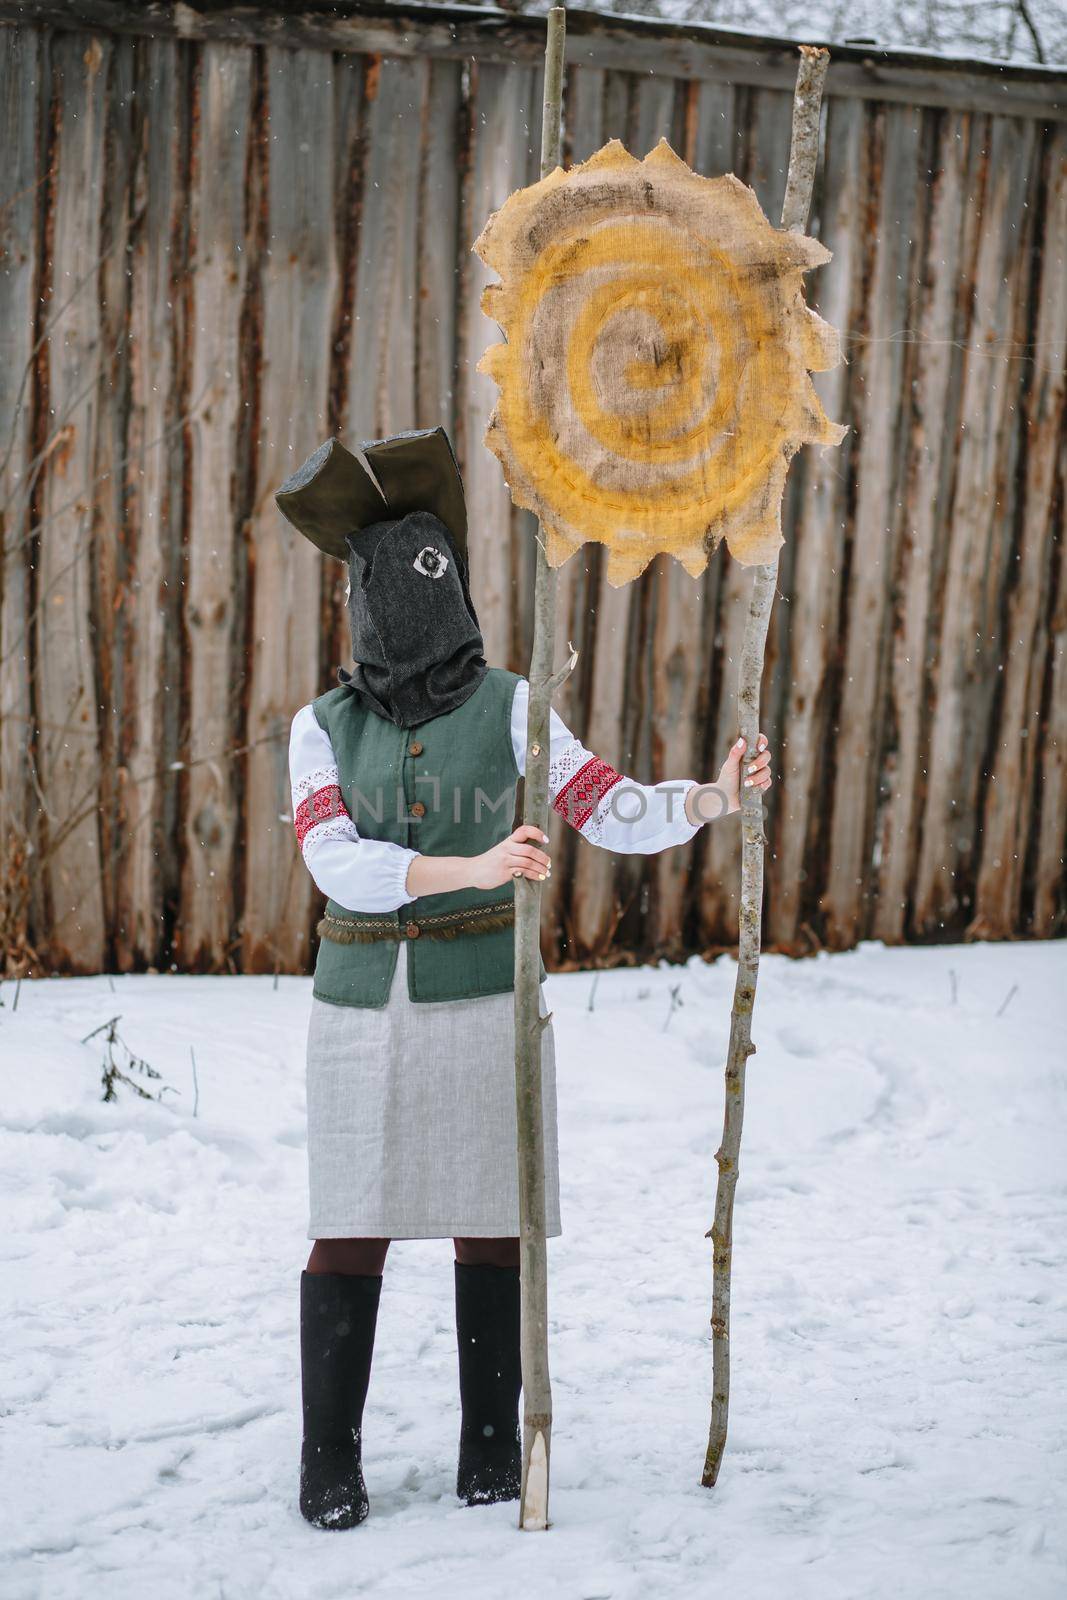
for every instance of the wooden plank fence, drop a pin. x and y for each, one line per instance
(226, 233)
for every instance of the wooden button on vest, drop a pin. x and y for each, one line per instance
(415, 748)
(418, 809)
(412, 930)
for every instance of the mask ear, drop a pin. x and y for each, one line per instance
(329, 497)
(418, 472)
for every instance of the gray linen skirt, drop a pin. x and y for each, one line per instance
(411, 1118)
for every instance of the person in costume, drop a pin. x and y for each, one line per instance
(403, 789)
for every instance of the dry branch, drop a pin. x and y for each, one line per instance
(803, 155)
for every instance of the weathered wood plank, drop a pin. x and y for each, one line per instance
(711, 686)
(722, 146)
(719, 872)
(977, 147)
(149, 870)
(437, 261)
(759, 160)
(682, 50)
(658, 113)
(717, 848)
(1050, 855)
(956, 738)
(23, 105)
(769, 119)
(619, 89)
(504, 121)
(654, 724)
(349, 154)
(349, 163)
(756, 157)
(111, 528)
(769, 129)
(595, 906)
(608, 678)
(1010, 803)
(1005, 541)
(604, 887)
(818, 536)
(219, 369)
(68, 712)
(523, 523)
(583, 134)
(937, 374)
(717, 135)
(583, 112)
(880, 373)
(678, 603)
(1044, 905)
(298, 287)
(573, 627)
(677, 606)
(381, 389)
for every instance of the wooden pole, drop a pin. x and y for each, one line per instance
(803, 156)
(529, 1024)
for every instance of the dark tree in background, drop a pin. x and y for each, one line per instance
(1020, 30)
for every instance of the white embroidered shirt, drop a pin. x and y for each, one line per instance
(606, 808)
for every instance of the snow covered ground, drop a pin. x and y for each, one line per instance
(900, 1334)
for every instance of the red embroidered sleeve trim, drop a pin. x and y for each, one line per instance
(318, 807)
(579, 797)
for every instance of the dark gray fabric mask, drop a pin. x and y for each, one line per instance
(415, 636)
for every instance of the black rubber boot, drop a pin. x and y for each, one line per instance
(490, 1377)
(338, 1314)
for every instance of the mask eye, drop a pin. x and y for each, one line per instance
(430, 562)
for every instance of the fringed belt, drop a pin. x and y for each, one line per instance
(443, 925)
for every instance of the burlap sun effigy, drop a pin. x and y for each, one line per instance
(655, 380)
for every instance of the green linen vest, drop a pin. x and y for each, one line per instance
(446, 787)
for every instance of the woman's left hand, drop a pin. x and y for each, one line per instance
(738, 772)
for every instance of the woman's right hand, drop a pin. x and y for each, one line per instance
(513, 857)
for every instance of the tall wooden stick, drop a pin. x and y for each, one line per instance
(529, 1024)
(803, 156)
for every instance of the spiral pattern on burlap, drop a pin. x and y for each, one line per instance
(654, 382)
